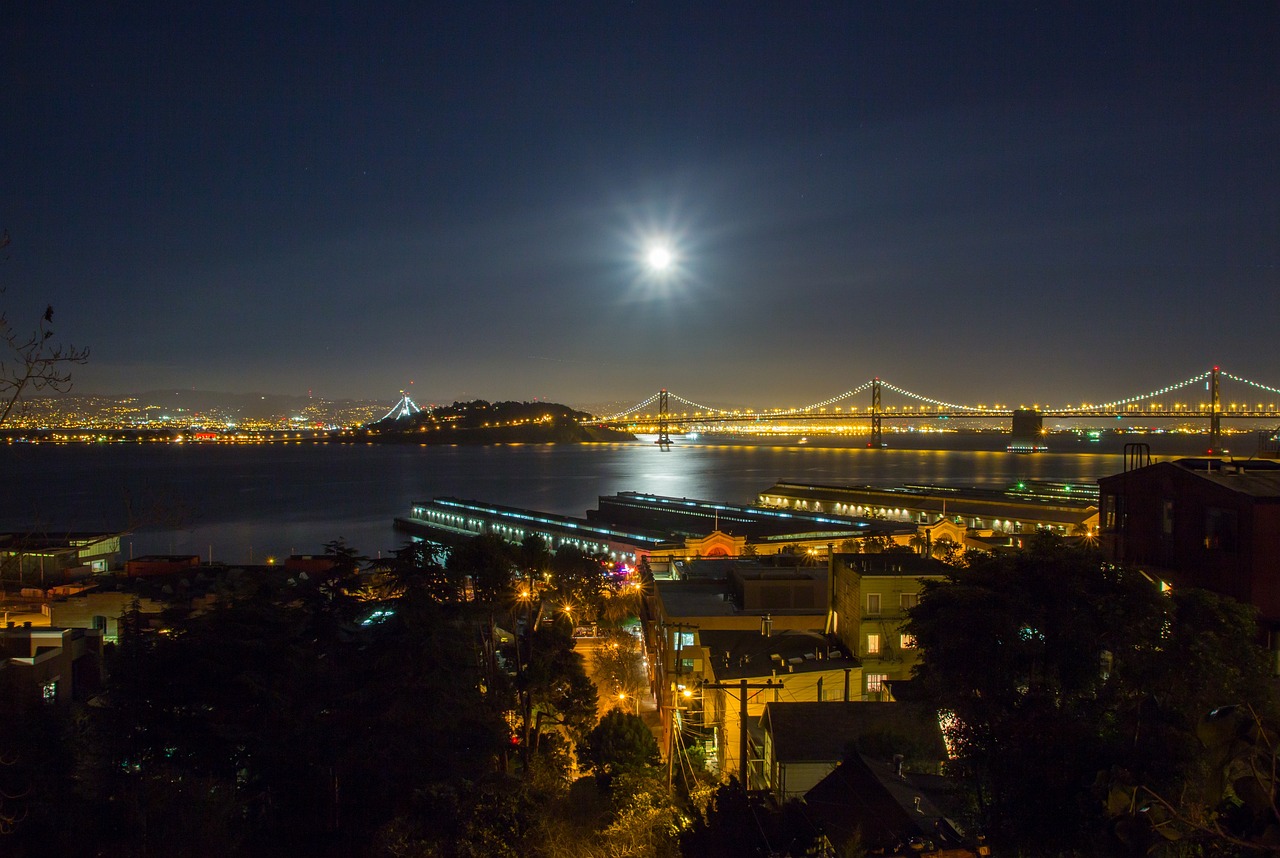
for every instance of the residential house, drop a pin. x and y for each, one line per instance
(61, 664)
(804, 741)
(1201, 522)
(871, 594)
(873, 802)
(800, 665)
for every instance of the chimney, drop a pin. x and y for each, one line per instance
(847, 671)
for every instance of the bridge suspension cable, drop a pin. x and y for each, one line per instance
(678, 398)
(1256, 384)
(824, 403)
(1129, 400)
(801, 410)
(404, 407)
(887, 386)
(1111, 406)
(633, 409)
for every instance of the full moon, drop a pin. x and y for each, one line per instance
(658, 258)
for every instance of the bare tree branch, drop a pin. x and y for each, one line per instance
(32, 362)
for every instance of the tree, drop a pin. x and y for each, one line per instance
(644, 819)
(947, 550)
(876, 544)
(36, 771)
(1235, 811)
(620, 742)
(31, 361)
(736, 824)
(486, 560)
(533, 556)
(618, 666)
(919, 543)
(1055, 666)
(267, 716)
(578, 580)
(1209, 735)
(415, 566)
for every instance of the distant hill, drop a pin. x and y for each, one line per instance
(247, 404)
(481, 422)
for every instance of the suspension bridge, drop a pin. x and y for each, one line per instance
(1199, 397)
(404, 407)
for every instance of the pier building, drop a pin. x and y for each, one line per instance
(453, 519)
(1026, 507)
(631, 525)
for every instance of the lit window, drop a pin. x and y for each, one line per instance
(49, 692)
(875, 682)
(907, 641)
(873, 644)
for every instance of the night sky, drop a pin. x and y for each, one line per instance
(983, 202)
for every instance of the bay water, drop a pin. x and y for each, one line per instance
(248, 503)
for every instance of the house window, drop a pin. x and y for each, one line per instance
(49, 692)
(875, 682)
(1166, 518)
(1220, 529)
(684, 639)
(873, 603)
(1110, 506)
(908, 600)
(907, 641)
(873, 644)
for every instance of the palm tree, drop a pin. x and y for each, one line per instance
(946, 549)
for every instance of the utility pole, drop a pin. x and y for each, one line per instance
(743, 686)
(669, 685)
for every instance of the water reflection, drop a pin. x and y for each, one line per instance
(276, 500)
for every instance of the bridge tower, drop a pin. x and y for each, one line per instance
(877, 433)
(1215, 415)
(664, 421)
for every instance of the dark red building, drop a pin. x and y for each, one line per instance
(160, 564)
(1208, 523)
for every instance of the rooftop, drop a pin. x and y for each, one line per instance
(820, 732)
(739, 654)
(1259, 478)
(700, 517)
